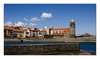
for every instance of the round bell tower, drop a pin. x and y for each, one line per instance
(72, 29)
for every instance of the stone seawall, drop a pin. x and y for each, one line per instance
(84, 39)
(37, 49)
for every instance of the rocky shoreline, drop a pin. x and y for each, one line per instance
(85, 53)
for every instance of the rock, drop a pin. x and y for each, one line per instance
(85, 53)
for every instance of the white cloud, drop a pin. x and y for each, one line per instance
(32, 24)
(46, 15)
(8, 23)
(20, 24)
(34, 19)
(25, 19)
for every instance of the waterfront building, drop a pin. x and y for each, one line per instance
(8, 31)
(18, 32)
(32, 32)
(23, 32)
(62, 32)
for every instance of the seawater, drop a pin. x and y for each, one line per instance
(89, 47)
(84, 46)
(17, 43)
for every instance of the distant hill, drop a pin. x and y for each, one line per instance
(85, 35)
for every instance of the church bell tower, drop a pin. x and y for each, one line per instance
(72, 29)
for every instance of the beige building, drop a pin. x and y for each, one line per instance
(62, 32)
(23, 32)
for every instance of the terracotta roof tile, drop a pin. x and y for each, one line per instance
(42, 30)
(64, 29)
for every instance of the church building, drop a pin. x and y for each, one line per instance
(62, 32)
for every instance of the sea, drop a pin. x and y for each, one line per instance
(84, 46)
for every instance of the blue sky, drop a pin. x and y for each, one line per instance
(55, 15)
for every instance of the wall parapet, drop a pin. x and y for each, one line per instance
(39, 48)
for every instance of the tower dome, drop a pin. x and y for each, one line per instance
(72, 20)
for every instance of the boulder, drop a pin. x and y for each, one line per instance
(85, 53)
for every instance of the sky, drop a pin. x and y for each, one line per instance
(52, 15)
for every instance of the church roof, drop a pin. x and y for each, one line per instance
(64, 29)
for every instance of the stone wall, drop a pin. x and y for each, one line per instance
(39, 48)
(66, 34)
(58, 37)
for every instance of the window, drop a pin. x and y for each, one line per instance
(59, 31)
(40, 33)
(27, 32)
(4, 31)
(53, 31)
(56, 31)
